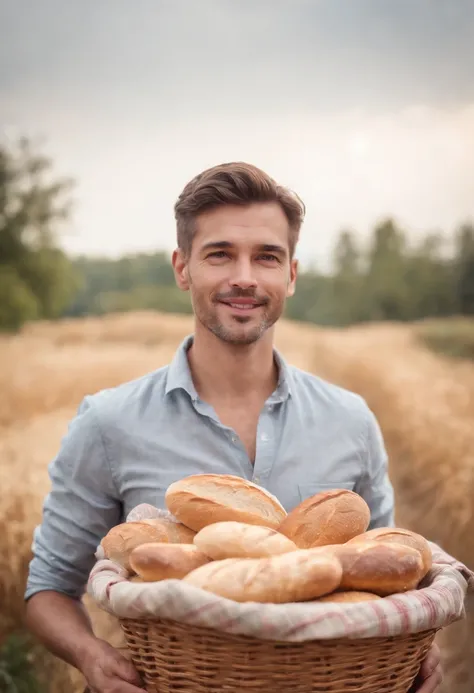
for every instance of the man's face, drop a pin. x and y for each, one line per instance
(239, 270)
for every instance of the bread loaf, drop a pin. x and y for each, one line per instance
(239, 540)
(172, 531)
(202, 499)
(346, 597)
(162, 561)
(290, 577)
(399, 536)
(120, 541)
(330, 517)
(382, 569)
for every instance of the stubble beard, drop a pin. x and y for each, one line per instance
(237, 337)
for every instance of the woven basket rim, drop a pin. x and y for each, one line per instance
(437, 603)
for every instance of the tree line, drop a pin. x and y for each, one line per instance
(387, 280)
(386, 277)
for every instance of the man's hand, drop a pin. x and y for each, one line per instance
(430, 676)
(107, 671)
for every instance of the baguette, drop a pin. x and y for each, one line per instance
(202, 499)
(330, 517)
(290, 577)
(399, 536)
(120, 541)
(239, 540)
(162, 561)
(382, 569)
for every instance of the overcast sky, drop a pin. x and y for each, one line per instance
(365, 108)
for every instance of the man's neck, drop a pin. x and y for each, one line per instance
(229, 372)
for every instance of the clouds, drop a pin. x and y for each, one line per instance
(365, 107)
(173, 55)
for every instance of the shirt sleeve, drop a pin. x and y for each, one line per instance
(376, 487)
(81, 507)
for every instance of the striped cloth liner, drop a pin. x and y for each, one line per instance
(438, 602)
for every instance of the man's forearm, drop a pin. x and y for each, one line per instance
(62, 625)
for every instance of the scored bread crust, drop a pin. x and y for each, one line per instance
(239, 540)
(290, 577)
(398, 535)
(329, 517)
(202, 499)
(373, 566)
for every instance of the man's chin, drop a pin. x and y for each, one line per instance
(239, 336)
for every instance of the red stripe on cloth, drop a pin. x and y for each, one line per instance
(201, 610)
(381, 617)
(428, 606)
(109, 587)
(328, 613)
(402, 611)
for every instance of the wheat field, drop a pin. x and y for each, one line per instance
(425, 405)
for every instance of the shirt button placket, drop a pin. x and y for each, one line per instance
(264, 456)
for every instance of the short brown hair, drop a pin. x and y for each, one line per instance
(235, 183)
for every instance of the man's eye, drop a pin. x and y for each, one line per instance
(218, 254)
(268, 258)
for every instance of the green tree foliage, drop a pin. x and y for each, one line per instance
(388, 279)
(464, 269)
(36, 278)
(384, 278)
(129, 283)
(346, 281)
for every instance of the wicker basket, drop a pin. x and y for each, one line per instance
(177, 658)
(183, 639)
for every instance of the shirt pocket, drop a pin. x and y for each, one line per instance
(306, 490)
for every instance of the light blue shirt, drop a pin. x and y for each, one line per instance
(127, 444)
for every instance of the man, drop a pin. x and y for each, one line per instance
(228, 403)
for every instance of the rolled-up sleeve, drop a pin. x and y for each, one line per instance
(376, 487)
(81, 507)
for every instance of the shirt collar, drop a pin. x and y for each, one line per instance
(179, 374)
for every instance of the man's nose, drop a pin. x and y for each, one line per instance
(242, 275)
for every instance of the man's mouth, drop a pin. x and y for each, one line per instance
(242, 303)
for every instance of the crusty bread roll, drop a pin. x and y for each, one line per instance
(375, 567)
(239, 540)
(163, 561)
(399, 536)
(352, 596)
(172, 531)
(202, 499)
(120, 541)
(290, 577)
(330, 517)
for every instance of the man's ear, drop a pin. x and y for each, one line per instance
(180, 268)
(292, 278)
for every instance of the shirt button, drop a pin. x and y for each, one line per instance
(256, 479)
(264, 437)
(234, 439)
